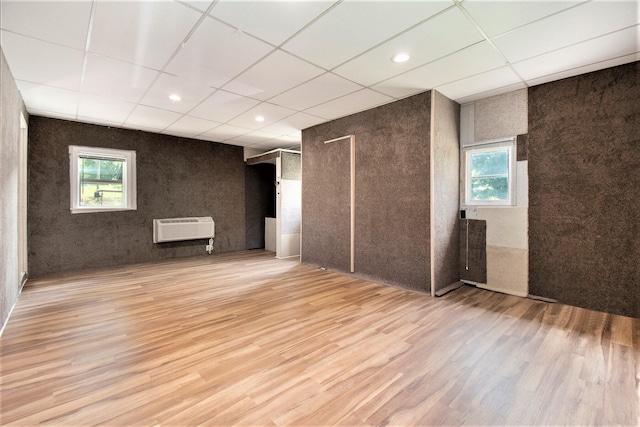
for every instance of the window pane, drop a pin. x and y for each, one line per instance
(100, 182)
(490, 163)
(490, 188)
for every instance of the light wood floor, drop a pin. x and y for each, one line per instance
(247, 340)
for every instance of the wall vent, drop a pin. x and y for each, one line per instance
(176, 229)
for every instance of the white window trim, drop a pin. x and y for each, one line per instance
(479, 147)
(128, 181)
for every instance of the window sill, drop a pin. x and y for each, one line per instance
(91, 210)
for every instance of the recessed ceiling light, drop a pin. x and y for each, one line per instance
(175, 97)
(400, 57)
(259, 119)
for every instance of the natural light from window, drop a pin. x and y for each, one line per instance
(490, 173)
(102, 179)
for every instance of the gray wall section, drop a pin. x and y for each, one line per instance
(473, 250)
(291, 166)
(584, 186)
(392, 193)
(325, 199)
(445, 191)
(10, 106)
(176, 177)
(501, 116)
(290, 188)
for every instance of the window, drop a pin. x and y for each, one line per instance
(102, 179)
(490, 173)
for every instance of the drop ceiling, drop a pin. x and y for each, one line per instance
(295, 63)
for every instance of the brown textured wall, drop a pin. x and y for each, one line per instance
(392, 193)
(473, 250)
(445, 161)
(522, 147)
(176, 177)
(584, 187)
(325, 199)
(260, 201)
(10, 106)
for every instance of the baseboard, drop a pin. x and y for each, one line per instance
(451, 287)
(544, 299)
(7, 319)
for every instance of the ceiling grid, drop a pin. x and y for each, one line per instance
(295, 63)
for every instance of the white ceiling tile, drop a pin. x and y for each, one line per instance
(108, 109)
(319, 90)
(192, 93)
(254, 137)
(275, 74)
(148, 32)
(585, 69)
(489, 93)
(481, 83)
(426, 42)
(116, 79)
(151, 118)
(292, 138)
(201, 5)
(273, 144)
(353, 27)
(225, 132)
(613, 45)
(100, 121)
(188, 125)
(349, 104)
(271, 21)
(216, 53)
(64, 23)
(473, 60)
(41, 62)
(270, 113)
(293, 124)
(566, 28)
(223, 106)
(44, 42)
(497, 17)
(50, 99)
(52, 114)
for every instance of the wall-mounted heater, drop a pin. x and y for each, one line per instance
(175, 229)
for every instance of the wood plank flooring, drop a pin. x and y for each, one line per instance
(244, 339)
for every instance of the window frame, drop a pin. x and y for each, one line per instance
(128, 177)
(488, 146)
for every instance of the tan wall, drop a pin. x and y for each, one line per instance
(507, 226)
(11, 105)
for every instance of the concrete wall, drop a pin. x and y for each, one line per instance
(176, 177)
(10, 107)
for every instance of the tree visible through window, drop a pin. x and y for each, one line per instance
(490, 173)
(101, 182)
(102, 179)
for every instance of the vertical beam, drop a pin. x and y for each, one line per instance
(352, 224)
(353, 203)
(432, 225)
(278, 206)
